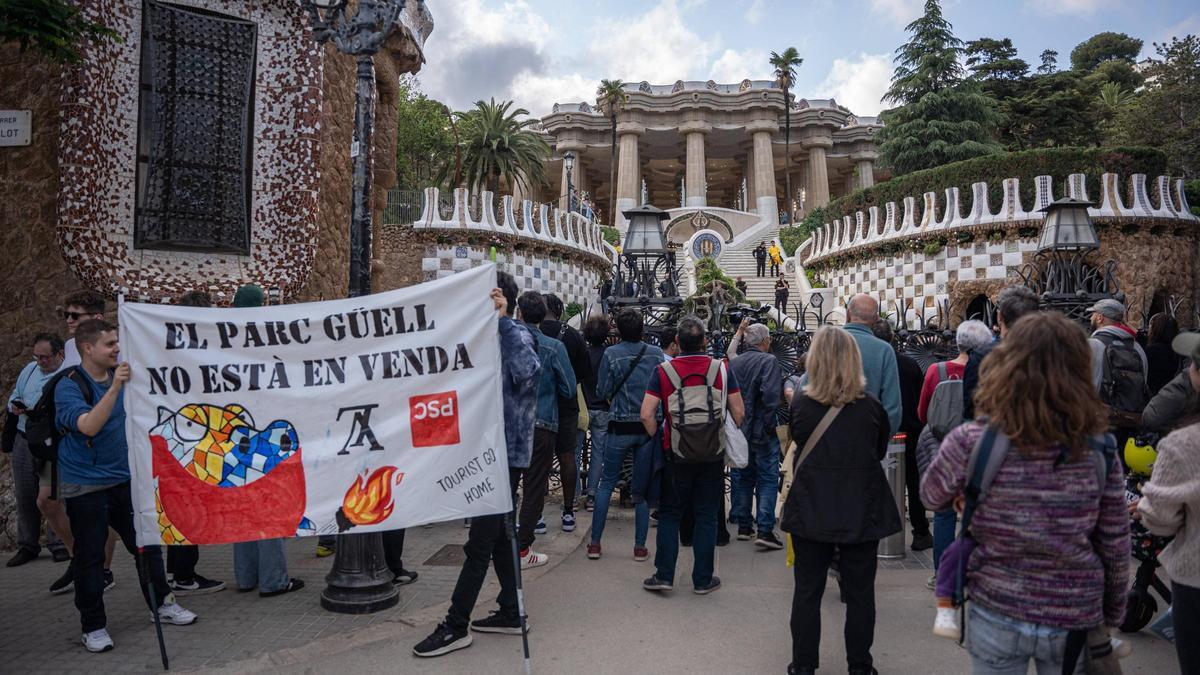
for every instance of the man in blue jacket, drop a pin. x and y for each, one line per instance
(487, 541)
(878, 357)
(93, 468)
(557, 381)
(761, 381)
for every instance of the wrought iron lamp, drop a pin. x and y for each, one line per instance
(569, 167)
(646, 276)
(359, 582)
(1068, 227)
(1064, 272)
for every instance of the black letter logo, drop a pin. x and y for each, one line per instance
(361, 424)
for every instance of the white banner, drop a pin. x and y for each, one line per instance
(356, 415)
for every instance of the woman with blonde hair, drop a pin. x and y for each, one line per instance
(839, 500)
(1052, 535)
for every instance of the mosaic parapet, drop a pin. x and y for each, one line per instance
(537, 223)
(870, 228)
(97, 155)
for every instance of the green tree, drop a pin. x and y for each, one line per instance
(1052, 110)
(1118, 72)
(1049, 64)
(497, 144)
(52, 28)
(1166, 114)
(423, 137)
(610, 96)
(1101, 47)
(990, 59)
(942, 118)
(785, 66)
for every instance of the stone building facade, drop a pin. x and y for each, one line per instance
(71, 198)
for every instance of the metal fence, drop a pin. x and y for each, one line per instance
(403, 206)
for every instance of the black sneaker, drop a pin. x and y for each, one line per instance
(443, 640)
(745, 533)
(65, 583)
(499, 623)
(197, 586)
(60, 555)
(768, 541)
(711, 586)
(655, 584)
(922, 542)
(109, 582)
(404, 577)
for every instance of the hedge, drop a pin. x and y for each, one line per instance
(993, 169)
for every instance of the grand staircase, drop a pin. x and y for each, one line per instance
(741, 263)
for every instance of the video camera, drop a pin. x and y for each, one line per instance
(739, 312)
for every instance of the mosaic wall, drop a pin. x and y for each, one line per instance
(541, 272)
(98, 136)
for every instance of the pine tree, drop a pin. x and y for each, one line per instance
(942, 117)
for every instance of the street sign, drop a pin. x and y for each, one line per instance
(15, 127)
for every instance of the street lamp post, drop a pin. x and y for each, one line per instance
(360, 581)
(569, 166)
(1064, 272)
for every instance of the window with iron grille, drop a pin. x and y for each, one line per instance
(196, 115)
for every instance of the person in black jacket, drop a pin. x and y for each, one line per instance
(1162, 362)
(1013, 303)
(839, 500)
(912, 377)
(567, 444)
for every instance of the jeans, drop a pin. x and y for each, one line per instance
(615, 449)
(393, 551)
(701, 486)
(536, 483)
(912, 483)
(181, 562)
(1001, 645)
(25, 493)
(487, 541)
(760, 478)
(260, 563)
(91, 515)
(598, 427)
(1185, 612)
(856, 569)
(944, 524)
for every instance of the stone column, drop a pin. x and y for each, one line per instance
(765, 201)
(695, 182)
(629, 169)
(748, 171)
(817, 170)
(865, 162)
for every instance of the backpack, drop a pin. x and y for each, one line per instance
(697, 412)
(41, 429)
(1123, 386)
(946, 404)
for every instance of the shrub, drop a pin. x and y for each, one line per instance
(791, 238)
(1191, 191)
(611, 235)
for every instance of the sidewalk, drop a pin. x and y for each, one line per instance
(41, 631)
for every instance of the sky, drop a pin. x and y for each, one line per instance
(539, 52)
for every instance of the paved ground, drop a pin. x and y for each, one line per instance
(588, 616)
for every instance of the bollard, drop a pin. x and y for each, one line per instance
(892, 548)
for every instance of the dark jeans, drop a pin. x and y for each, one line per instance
(912, 483)
(393, 550)
(1185, 613)
(487, 540)
(781, 303)
(687, 524)
(856, 566)
(536, 484)
(91, 515)
(700, 486)
(564, 449)
(760, 267)
(181, 562)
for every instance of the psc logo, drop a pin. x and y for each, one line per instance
(434, 419)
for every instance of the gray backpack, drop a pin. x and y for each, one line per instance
(697, 414)
(946, 405)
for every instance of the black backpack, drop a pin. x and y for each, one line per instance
(41, 430)
(1123, 386)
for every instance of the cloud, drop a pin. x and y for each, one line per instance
(655, 45)
(539, 93)
(901, 12)
(734, 66)
(755, 12)
(1079, 7)
(858, 84)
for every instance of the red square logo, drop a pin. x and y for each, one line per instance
(434, 419)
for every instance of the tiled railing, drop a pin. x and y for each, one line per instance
(866, 228)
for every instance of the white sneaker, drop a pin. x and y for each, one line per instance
(931, 583)
(97, 641)
(173, 613)
(533, 559)
(946, 623)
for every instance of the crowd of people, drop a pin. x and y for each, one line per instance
(1020, 436)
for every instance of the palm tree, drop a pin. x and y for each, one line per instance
(609, 96)
(495, 144)
(785, 66)
(1113, 97)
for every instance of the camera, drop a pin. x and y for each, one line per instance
(739, 312)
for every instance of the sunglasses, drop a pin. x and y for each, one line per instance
(74, 315)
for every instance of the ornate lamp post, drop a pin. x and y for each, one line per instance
(569, 167)
(646, 274)
(1064, 272)
(359, 582)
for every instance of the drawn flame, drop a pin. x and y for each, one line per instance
(370, 502)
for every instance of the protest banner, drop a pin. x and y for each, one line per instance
(364, 414)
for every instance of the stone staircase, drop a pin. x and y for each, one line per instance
(741, 263)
